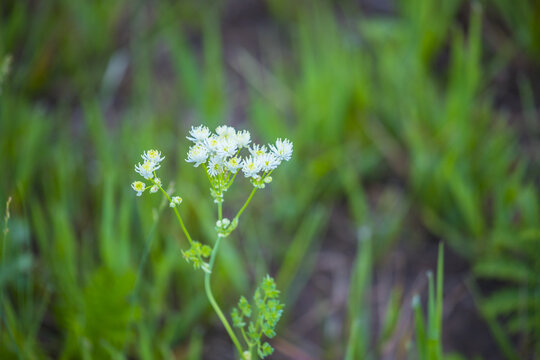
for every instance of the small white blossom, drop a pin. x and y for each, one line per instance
(215, 166)
(154, 189)
(157, 181)
(147, 169)
(138, 186)
(226, 148)
(233, 164)
(268, 161)
(243, 138)
(257, 150)
(212, 144)
(199, 134)
(223, 223)
(153, 156)
(283, 149)
(268, 179)
(226, 132)
(250, 167)
(197, 154)
(175, 200)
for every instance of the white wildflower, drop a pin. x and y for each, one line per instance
(154, 189)
(147, 169)
(226, 148)
(250, 167)
(138, 186)
(226, 132)
(199, 134)
(283, 149)
(215, 166)
(212, 144)
(175, 200)
(197, 154)
(257, 150)
(233, 164)
(268, 161)
(153, 156)
(243, 138)
(157, 181)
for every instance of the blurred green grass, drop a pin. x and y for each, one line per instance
(402, 104)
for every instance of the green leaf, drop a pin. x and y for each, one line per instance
(244, 306)
(237, 318)
(265, 350)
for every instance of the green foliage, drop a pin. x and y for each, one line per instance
(196, 254)
(522, 19)
(358, 312)
(261, 318)
(428, 334)
(515, 305)
(4, 70)
(398, 105)
(92, 330)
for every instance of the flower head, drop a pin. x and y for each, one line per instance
(147, 168)
(212, 144)
(257, 150)
(139, 187)
(226, 132)
(268, 161)
(233, 164)
(283, 149)
(250, 167)
(197, 154)
(215, 166)
(226, 148)
(153, 156)
(175, 200)
(243, 138)
(198, 134)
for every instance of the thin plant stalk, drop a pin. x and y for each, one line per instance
(210, 295)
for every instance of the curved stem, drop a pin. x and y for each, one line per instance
(177, 215)
(229, 183)
(213, 302)
(246, 203)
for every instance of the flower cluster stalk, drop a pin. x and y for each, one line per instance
(219, 155)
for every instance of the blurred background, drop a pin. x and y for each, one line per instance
(414, 122)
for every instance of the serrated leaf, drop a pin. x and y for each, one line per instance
(238, 321)
(244, 306)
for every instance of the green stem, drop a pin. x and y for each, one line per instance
(229, 183)
(246, 338)
(253, 352)
(213, 302)
(246, 203)
(177, 214)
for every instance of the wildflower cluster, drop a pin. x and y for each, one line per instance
(264, 318)
(219, 154)
(147, 169)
